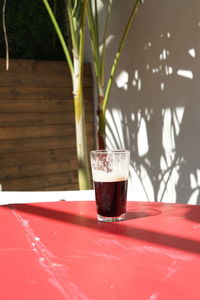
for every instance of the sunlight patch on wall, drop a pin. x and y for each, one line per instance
(140, 185)
(163, 55)
(168, 70)
(169, 162)
(177, 118)
(167, 189)
(133, 117)
(100, 5)
(162, 86)
(147, 45)
(168, 35)
(108, 41)
(172, 120)
(136, 74)
(171, 127)
(194, 197)
(195, 186)
(194, 181)
(147, 67)
(168, 141)
(114, 132)
(185, 73)
(155, 70)
(122, 80)
(142, 138)
(192, 52)
(137, 81)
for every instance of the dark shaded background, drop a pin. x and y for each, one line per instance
(31, 34)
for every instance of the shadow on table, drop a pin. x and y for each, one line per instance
(138, 213)
(118, 228)
(194, 216)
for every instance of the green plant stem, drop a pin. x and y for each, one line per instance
(103, 55)
(73, 28)
(92, 24)
(82, 154)
(82, 40)
(118, 54)
(60, 36)
(101, 130)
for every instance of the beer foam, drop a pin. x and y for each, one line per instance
(101, 176)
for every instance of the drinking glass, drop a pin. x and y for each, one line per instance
(110, 170)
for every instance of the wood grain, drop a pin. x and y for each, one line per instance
(37, 126)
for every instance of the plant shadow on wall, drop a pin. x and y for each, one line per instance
(157, 115)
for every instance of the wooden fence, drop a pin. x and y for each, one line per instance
(37, 127)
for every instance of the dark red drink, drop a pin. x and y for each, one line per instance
(111, 197)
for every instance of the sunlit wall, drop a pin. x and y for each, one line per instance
(154, 108)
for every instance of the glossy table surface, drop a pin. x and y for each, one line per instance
(58, 250)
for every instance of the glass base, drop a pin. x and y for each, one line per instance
(111, 219)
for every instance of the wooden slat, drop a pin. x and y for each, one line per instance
(43, 80)
(39, 182)
(36, 157)
(40, 106)
(35, 131)
(44, 143)
(13, 172)
(43, 118)
(37, 126)
(19, 93)
(39, 66)
(38, 131)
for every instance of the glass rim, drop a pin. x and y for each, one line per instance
(109, 151)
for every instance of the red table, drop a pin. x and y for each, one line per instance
(59, 251)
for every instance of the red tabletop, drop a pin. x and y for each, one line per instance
(60, 251)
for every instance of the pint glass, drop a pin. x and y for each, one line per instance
(110, 170)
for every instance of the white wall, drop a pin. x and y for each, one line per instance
(154, 106)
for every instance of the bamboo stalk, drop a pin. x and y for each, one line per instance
(77, 19)
(82, 154)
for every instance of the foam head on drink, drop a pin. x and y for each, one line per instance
(110, 192)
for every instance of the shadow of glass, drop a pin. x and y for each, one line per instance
(141, 213)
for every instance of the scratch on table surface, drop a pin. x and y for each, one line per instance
(89, 254)
(99, 254)
(171, 270)
(48, 261)
(172, 253)
(111, 242)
